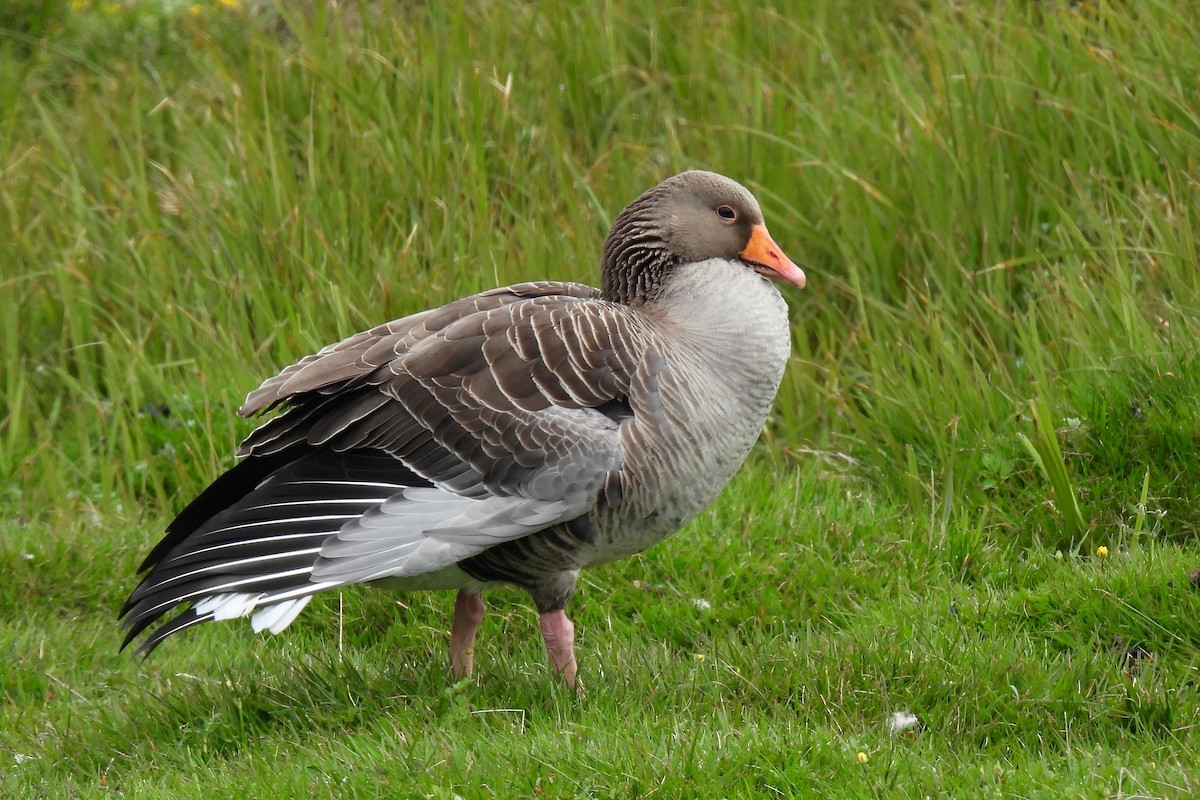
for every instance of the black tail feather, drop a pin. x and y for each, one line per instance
(257, 525)
(230, 487)
(179, 622)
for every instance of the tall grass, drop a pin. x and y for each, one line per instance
(1004, 219)
(995, 372)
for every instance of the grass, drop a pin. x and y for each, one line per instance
(996, 374)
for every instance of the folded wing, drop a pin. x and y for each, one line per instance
(403, 450)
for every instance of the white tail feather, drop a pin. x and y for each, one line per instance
(278, 616)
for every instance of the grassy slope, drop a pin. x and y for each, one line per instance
(997, 210)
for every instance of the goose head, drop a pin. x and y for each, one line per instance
(691, 217)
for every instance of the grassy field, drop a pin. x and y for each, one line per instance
(978, 500)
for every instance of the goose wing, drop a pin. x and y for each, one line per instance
(490, 418)
(507, 403)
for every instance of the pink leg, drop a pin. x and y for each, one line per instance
(468, 613)
(559, 634)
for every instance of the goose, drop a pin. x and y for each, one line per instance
(515, 436)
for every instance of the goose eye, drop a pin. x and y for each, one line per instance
(727, 213)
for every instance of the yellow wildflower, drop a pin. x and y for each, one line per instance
(863, 758)
(1101, 552)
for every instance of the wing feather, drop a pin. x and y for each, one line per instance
(504, 409)
(459, 395)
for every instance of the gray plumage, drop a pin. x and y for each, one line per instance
(517, 436)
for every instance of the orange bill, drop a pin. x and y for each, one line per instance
(768, 259)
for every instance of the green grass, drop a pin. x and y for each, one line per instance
(996, 372)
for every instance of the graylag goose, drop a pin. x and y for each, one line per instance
(513, 437)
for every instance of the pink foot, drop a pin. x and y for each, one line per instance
(559, 635)
(468, 613)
